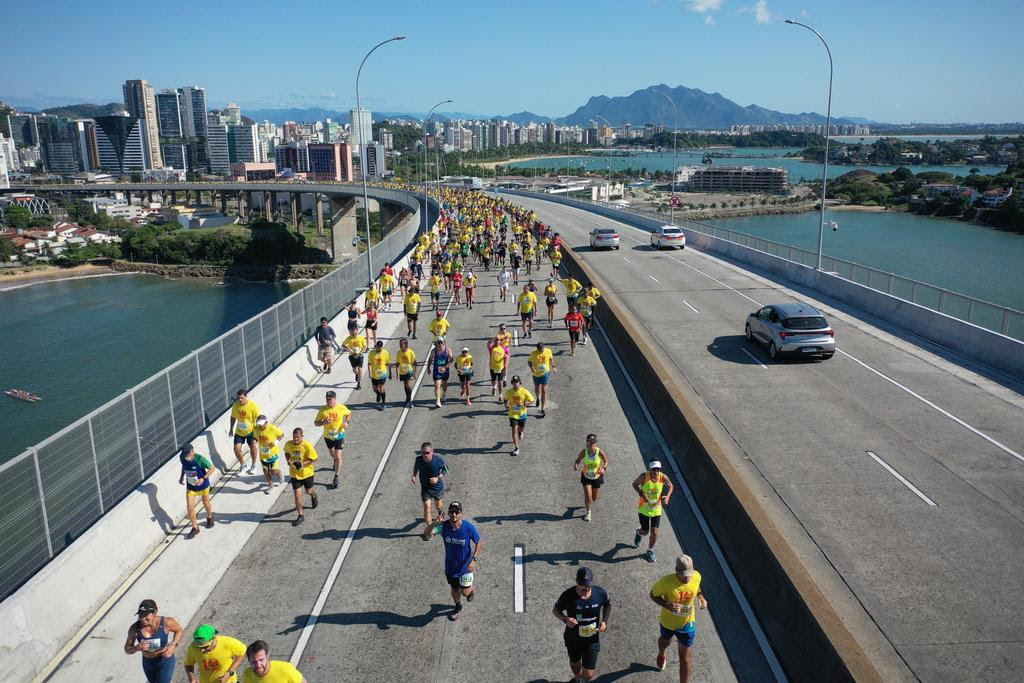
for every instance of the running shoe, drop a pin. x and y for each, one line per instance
(650, 555)
(298, 520)
(359, 385)
(209, 522)
(586, 517)
(455, 613)
(193, 532)
(543, 413)
(636, 539)
(315, 502)
(515, 451)
(252, 469)
(662, 662)
(337, 482)
(469, 598)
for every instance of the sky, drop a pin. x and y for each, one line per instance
(896, 61)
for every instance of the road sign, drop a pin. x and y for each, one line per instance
(675, 202)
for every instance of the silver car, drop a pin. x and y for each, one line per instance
(792, 329)
(607, 238)
(668, 236)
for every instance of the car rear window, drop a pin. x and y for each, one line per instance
(673, 231)
(813, 322)
(605, 231)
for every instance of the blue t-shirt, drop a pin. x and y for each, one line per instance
(425, 470)
(325, 335)
(195, 472)
(457, 550)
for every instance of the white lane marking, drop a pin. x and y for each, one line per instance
(691, 307)
(626, 259)
(715, 279)
(515, 337)
(902, 479)
(754, 358)
(741, 599)
(518, 582)
(935, 407)
(654, 278)
(332, 576)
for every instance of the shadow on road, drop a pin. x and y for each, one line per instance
(528, 517)
(729, 348)
(340, 534)
(382, 620)
(577, 556)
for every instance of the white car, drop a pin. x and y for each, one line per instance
(606, 238)
(668, 236)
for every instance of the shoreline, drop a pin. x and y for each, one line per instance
(504, 162)
(22, 277)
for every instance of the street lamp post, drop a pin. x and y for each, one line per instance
(426, 205)
(828, 125)
(675, 126)
(362, 159)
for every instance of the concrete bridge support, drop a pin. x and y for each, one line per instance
(343, 228)
(295, 197)
(268, 208)
(223, 202)
(391, 216)
(319, 215)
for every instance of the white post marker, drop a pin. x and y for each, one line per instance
(902, 479)
(518, 581)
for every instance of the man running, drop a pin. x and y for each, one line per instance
(301, 455)
(556, 260)
(585, 610)
(405, 360)
(517, 399)
(267, 435)
(355, 344)
(676, 593)
(431, 470)
(592, 462)
(435, 289)
(572, 289)
(457, 278)
(498, 366)
(243, 425)
(655, 490)
(462, 548)
(574, 322)
(196, 471)
(542, 363)
(380, 373)
(412, 311)
(503, 278)
(334, 418)
(471, 280)
(440, 362)
(527, 301)
(263, 668)
(586, 304)
(325, 337)
(387, 288)
(440, 325)
(219, 657)
(464, 369)
(551, 299)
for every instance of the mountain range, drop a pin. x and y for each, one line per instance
(697, 109)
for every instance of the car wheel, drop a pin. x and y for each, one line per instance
(617, 247)
(773, 350)
(747, 333)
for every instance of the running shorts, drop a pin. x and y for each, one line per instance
(250, 439)
(582, 649)
(685, 637)
(521, 423)
(543, 379)
(649, 522)
(335, 443)
(326, 354)
(356, 360)
(574, 335)
(306, 483)
(443, 376)
(595, 483)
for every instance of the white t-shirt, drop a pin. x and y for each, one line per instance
(503, 278)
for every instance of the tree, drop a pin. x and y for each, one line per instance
(18, 217)
(7, 249)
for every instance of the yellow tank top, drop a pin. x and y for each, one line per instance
(591, 463)
(650, 501)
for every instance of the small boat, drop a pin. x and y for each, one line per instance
(23, 395)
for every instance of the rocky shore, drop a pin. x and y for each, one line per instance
(259, 273)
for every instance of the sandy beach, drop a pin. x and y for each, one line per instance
(17, 277)
(505, 162)
(856, 207)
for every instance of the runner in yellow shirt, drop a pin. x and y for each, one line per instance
(263, 669)
(267, 436)
(464, 369)
(527, 301)
(334, 418)
(388, 282)
(412, 311)
(551, 299)
(373, 294)
(219, 657)
(244, 412)
(470, 284)
(301, 455)
(405, 362)
(440, 325)
(572, 290)
(556, 261)
(435, 289)
(355, 344)
(528, 257)
(655, 491)
(380, 372)
(678, 594)
(542, 363)
(518, 400)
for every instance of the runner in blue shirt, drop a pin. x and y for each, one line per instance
(462, 548)
(431, 470)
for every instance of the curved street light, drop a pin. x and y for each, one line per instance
(675, 126)
(828, 125)
(362, 159)
(426, 206)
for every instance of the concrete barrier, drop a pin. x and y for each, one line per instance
(807, 634)
(978, 344)
(44, 614)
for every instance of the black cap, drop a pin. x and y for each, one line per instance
(584, 577)
(591, 437)
(455, 506)
(331, 394)
(147, 606)
(516, 380)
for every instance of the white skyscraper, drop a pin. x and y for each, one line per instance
(5, 182)
(362, 128)
(374, 157)
(234, 113)
(217, 144)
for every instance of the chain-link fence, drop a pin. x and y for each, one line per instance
(57, 489)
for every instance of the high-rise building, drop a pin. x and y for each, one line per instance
(120, 143)
(374, 159)
(234, 113)
(58, 137)
(193, 111)
(219, 160)
(386, 138)
(9, 151)
(362, 128)
(293, 156)
(87, 143)
(22, 129)
(243, 144)
(172, 129)
(5, 181)
(331, 161)
(140, 102)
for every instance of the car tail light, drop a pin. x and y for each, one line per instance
(783, 335)
(831, 333)
(615, 236)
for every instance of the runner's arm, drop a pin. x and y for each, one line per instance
(636, 485)
(172, 626)
(130, 647)
(669, 489)
(606, 615)
(561, 616)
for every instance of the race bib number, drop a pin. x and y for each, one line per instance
(243, 426)
(588, 630)
(265, 450)
(590, 473)
(651, 506)
(193, 480)
(543, 367)
(331, 434)
(404, 368)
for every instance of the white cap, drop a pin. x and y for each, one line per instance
(465, 348)
(654, 465)
(684, 566)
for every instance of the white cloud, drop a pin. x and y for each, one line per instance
(804, 14)
(709, 20)
(762, 14)
(705, 5)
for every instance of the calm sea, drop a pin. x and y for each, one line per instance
(79, 343)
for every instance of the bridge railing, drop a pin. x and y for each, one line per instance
(1002, 319)
(58, 488)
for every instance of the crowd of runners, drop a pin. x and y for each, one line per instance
(476, 238)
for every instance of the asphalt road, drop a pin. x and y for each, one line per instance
(924, 557)
(383, 614)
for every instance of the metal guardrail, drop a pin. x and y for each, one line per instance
(1002, 319)
(58, 488)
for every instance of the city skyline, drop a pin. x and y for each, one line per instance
(742, 50)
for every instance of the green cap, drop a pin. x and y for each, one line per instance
(204, 634)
